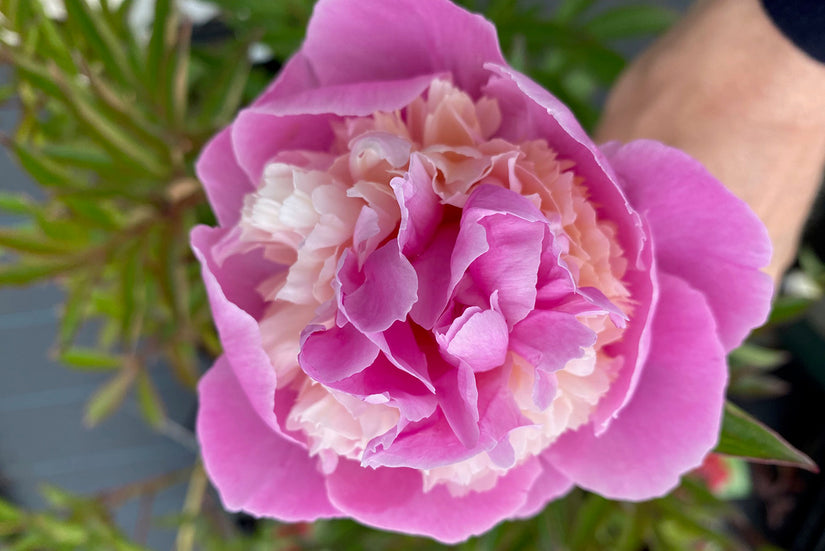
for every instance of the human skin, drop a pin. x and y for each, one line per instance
(728, 88)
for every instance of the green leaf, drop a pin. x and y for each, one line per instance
(754, 386)
(787, 308)
(25, 241)
(162, 29)
(123, 109)
(570, 9)
(45, 171)
(16, 203)
(8, 513)
(178, 77)
(760, 357)
(32, 71)
(630, 22)
(99, 35)
(24, 273)
(222, 100)
(63, 533)
(79, 155)
(590, 516)
(810, 263)
(132, 292)
(54, 45)
(151, 405)
(93, 212)
(7, 92)
(90, 359)
(745, 437)
(109, 397)
(75, 309)
(109, 134)
(57, 498)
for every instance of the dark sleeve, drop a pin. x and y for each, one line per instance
(802, 21)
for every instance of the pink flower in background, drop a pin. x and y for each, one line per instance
(441, 305)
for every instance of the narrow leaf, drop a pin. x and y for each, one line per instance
(75, 310)
(754, 387)
(93, 212)
(24, 273)
(630, 22)
(90, 359)
(32, 71)
(759, 357)
(25, 241)
(156, 54)
(591, 515)
(745, 437)
(151, 405)
(788, 308)
(221, 101)
(570, 9)
(79, 155)
(101, 38)
(16, 203)
(44, 171)
(110, 135)
(109, 397)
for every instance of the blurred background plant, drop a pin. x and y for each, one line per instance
(116, 99)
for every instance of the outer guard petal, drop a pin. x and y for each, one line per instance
(718, 244)
(393, 499)
(366, 40)
(673, 419)
(253, 468)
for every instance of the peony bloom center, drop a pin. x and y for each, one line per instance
(441, 285)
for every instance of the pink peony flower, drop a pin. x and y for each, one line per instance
(441, 305)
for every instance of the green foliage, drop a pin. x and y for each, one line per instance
(110, 127)
(688, 518)
(72, 524)
(743, 436)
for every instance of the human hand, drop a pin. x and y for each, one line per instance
(727, 87)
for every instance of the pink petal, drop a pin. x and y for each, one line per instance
(400, 347)
(369, 41)
(550, 484)
(719, 244)
(548, 340)
(634, 346)
(350, 99)
(510, 266)
(500, 245)
(329, 355)
(430, 267)
(239, 332)
(258, 135)
(477, 337)
(383, 292)
(434, 442)
(224, 181)
(414, 400)
(253, 468)
(393, 499)
(421, 208)
(673, 419)
(458, 398)
(295, 77)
